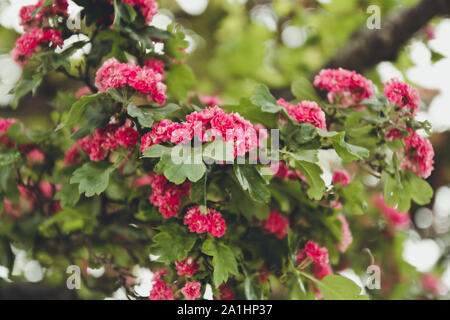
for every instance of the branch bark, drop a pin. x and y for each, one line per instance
(367, 48)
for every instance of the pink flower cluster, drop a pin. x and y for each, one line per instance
(225, 293)
(5, 142)
(210, 100)
(399, 220)
(206, 125)
(211, 222)
(192, 290)
(165, 195)
(277, 224)
(188, 267)
(148, 8)
(347, 237)
(419, 155)
(319, 257)
(28, 43)
(403, 96)
(341, 177)
(305, 111)
(282, 171)
(432, 283)
(146, 80)
(346, 88)
(57, 9)
(103, 140)
(160, 289)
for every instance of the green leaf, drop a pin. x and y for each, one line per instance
(180, 80)
(93, 177)
(156, 151)
(116, 95)
(123, 11)
(68, 195)
(147, 116)
(348, 152)
(8, 156)
(69, 220)
(178, 41)
(78, 109)
(312, 173)
(224, 261)
(334, 287)
(185, 168)
(253, 113)
(264, 99)
(25, 86)
(251, 180)
(421, 191)
(173, 243)
(302, 89)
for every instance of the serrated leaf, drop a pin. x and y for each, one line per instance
(78, 109)
(184, 168)
(312, 173)
(92, 177)
(224, 261)
(335, 287)
(264, 99)
(252, 181)
(173, 243)
(68, 195)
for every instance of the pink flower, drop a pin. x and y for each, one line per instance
(347, 238)
(399, 220)
(225, 293)
(306, 111)
(393, 134)
(346, 88)
(210, 100)
(206, 125)
(318, 255)
(158, 274)
(126, 136)
(216, 225)
(277, 224)
(103, 140)
(322, 270)
(161, 291)
(418, 155)
(432, 284)
(402, 96)
(146, 80)
(188, 267)
(148, 8)
(156, 65)
(341, 177)
(281, 170)
(430, 32)
(165, 195)
(35, 156)
(28, 43)
(336, 204)
(191, 290)
(82, 92)
(211, 222)
(5, 142)
(57, 8)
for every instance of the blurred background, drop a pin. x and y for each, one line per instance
(235, 44)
